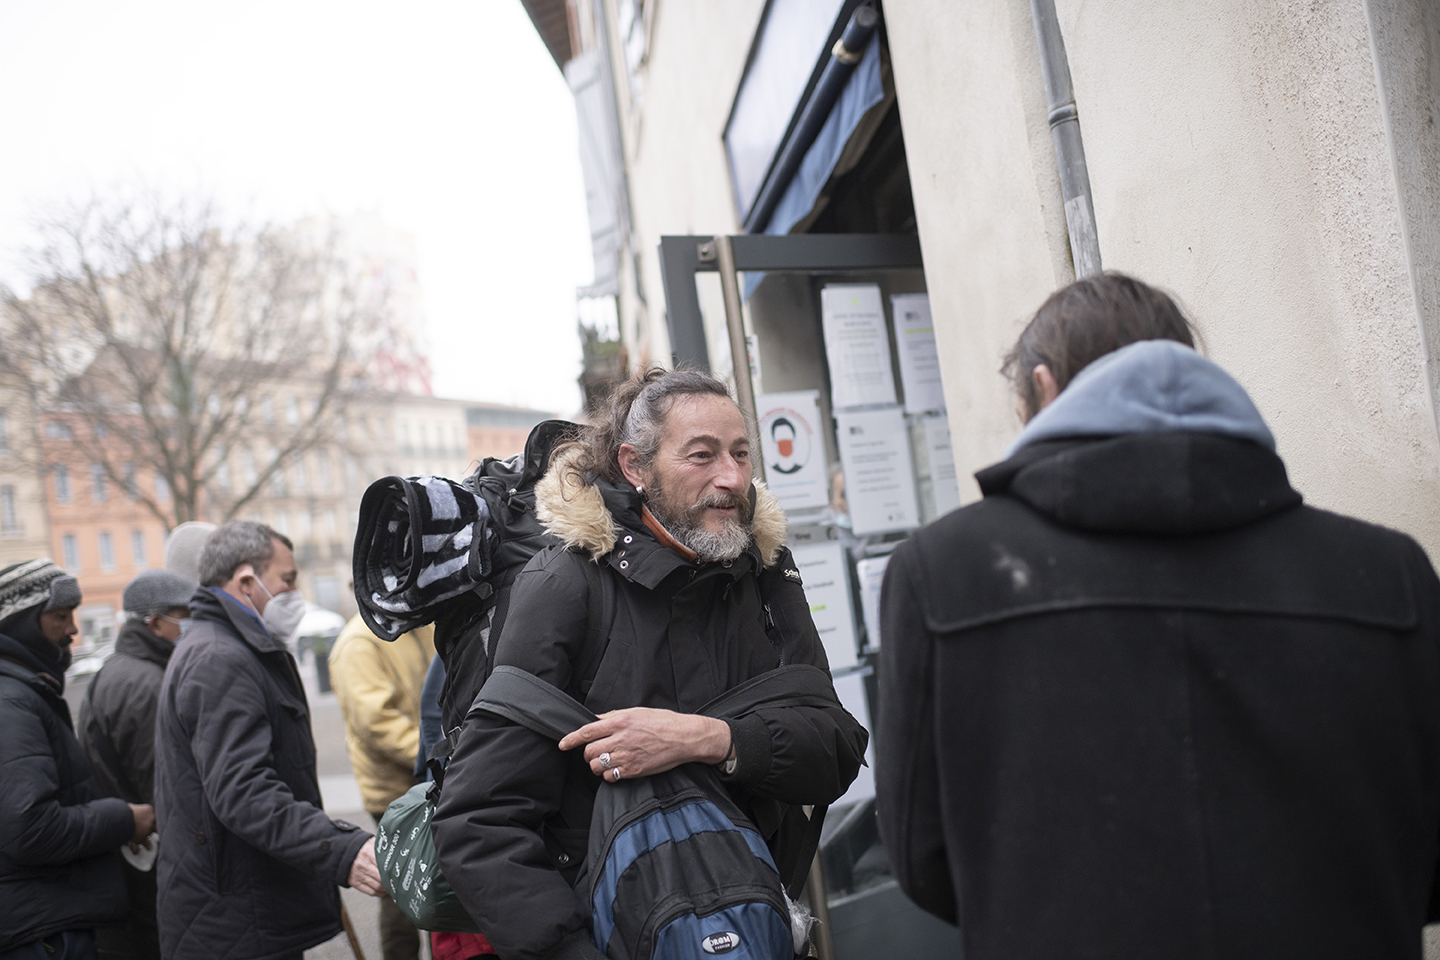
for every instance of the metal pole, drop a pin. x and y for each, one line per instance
(1065, 132)
(820, 910)
(739, 354)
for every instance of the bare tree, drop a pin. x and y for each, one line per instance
(164, 337)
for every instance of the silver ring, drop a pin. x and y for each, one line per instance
(616, 774)
(605, 760)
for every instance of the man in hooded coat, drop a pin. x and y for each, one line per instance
(1140, 701)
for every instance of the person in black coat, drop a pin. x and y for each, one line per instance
(117, 730)
(665, 542)
(59, 839)
(1140, 701)
(249, 861)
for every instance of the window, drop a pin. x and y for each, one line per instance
(282, 522)
(303, 525)
(132, 489)
(267, 411)
(107, 553)
(222, 474)
(162, 488)
(322, 463)
(58, 431)
(62, 483)
(70, 552)
(137, 549)
(97, 482)
(212, 405)
(292, 411)
(4, 432)
(9, 519)
(247, 463)
(301, 481)
(330, 524)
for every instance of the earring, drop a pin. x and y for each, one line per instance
(639, 488)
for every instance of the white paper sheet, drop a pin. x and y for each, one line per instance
(871, 574)
(919, 360)
(943, 478)
(827, 586)
(857, 345)
(879, 477)
(794, 449)
(851, 691)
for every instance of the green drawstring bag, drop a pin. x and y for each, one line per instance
(409, 868)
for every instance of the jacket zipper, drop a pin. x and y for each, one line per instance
(770, 622)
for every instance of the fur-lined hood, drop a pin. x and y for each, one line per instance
(579, 516)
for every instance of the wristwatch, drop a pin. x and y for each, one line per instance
(728, 766)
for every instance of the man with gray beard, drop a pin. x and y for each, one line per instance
(671, 585)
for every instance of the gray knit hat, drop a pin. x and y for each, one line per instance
(183, 546)
(36, 583)
(156, 591)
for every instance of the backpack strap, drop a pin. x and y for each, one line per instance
(531, 702)
(602, 620)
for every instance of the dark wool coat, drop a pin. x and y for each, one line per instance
(121, 702)
(59, 841)
(1139, 702)
(512, 824)
(122, 699)
(249, 862)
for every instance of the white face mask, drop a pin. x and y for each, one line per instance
(283, 613)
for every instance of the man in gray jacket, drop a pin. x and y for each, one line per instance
(249, 861)
(117, 730)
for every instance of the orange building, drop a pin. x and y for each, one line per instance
(99, 531)
(496, 430)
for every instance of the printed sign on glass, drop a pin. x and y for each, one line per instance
(794, 449)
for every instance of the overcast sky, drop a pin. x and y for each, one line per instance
(446, 119)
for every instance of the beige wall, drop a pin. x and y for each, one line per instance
(679, 177)
(1238, 156)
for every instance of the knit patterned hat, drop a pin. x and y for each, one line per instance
(36, 583)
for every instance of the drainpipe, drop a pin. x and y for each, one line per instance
(1065, 132)
(843, 57)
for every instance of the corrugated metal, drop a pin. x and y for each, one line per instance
(552, 22)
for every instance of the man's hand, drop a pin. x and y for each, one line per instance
(642, 740)
(144, 815)
(364, 875)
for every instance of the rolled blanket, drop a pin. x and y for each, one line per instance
(420, 541)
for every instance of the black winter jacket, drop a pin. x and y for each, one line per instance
(249, 861)
(1139, 702)
(513, 819)
(121, 700)
(59, 841)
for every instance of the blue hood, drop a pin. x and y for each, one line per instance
(1155, 386)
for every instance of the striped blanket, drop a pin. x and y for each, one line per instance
(420, 542)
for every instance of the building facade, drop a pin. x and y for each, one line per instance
(24, 525)
(891, 174)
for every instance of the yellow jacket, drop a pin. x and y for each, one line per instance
(378, 686)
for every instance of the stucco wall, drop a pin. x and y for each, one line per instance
(1238, 157)
(679, 178)
(987, 199)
